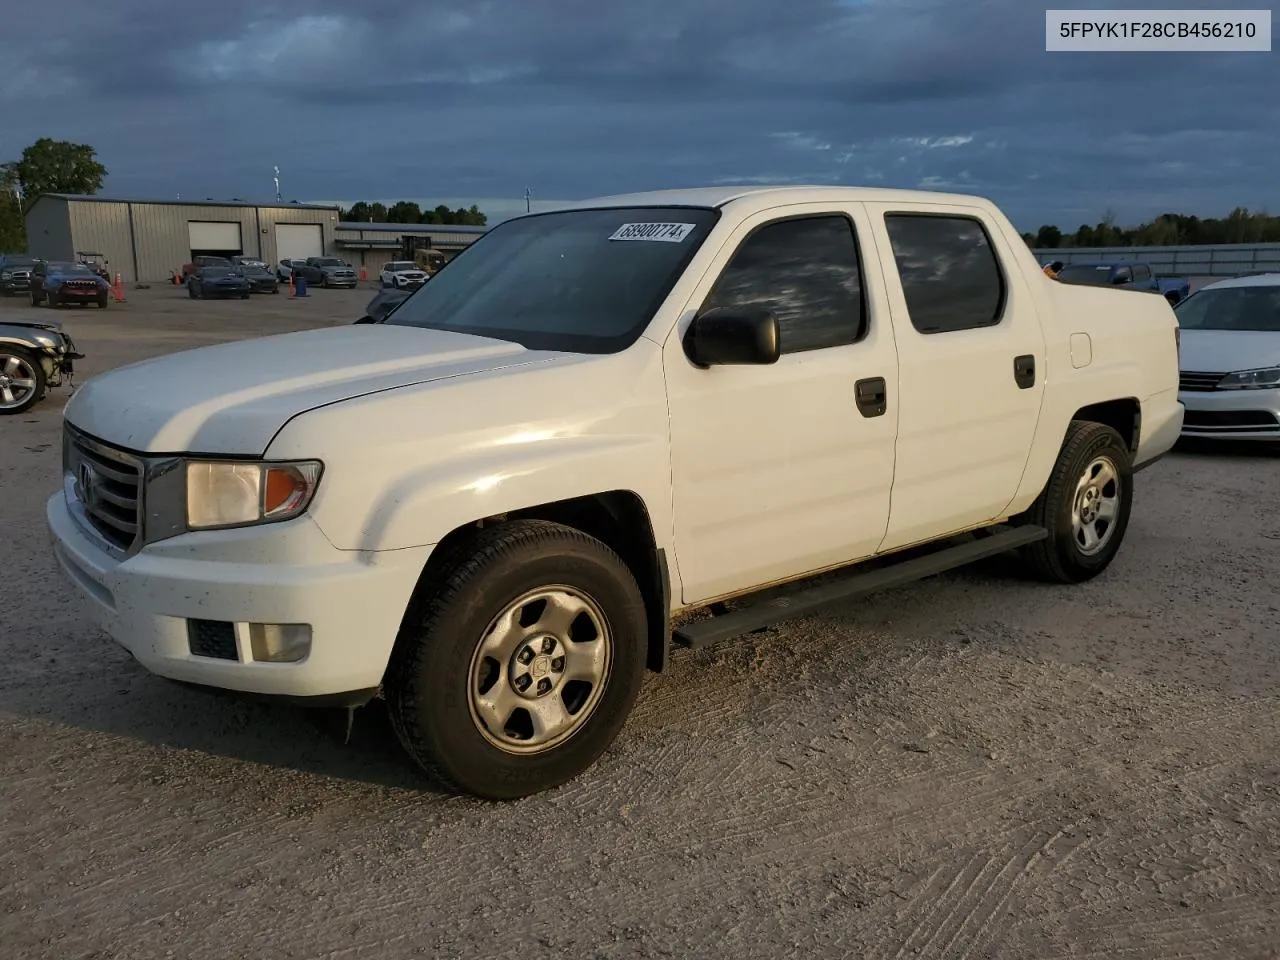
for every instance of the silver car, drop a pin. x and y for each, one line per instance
(1229, 380)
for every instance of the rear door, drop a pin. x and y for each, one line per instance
(971, 362)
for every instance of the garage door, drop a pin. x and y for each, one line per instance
(297, 241)
(210, 238)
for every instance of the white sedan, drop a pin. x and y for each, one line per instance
(403, 275)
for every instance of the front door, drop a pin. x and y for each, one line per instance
(776, 470)
(971, 361)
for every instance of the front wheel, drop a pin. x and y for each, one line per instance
(22, 380)
(517, 668)
(102, 302)
(1085, 506)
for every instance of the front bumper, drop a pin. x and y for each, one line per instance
(339, 281)
(1231, 414)
(69, 295)
(286, 573)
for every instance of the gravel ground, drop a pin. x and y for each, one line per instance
(972, 766)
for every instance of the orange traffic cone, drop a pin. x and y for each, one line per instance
(117, 289)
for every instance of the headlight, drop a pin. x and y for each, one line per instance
(231, 494)
(1264, 378)
(5, 275)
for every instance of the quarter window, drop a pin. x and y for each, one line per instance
(950, 276)
(806, 271)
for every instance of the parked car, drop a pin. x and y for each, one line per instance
(15, 273)
(58, 282)
(218, 281)
(1230, 359)
(33, 358)
(205, 261)
(402, 274)
(325, 272)
(261, 280)
(1128, 274)
(489, 509)
(284, 270)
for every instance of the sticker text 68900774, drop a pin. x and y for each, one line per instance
(664, 232)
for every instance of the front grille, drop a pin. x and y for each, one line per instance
(212, 638)
(1243, 420)
(108, 484)
(1198, 382)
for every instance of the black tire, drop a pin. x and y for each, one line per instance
(51, 301)
(102, 302)
(35, 300)
(191, 290)
(38, 373)
(428, 683)
(1061, 557)
(245, 296)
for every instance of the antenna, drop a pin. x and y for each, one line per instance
(277, 180)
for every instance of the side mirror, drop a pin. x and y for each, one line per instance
(721, 336)
(1120, 279)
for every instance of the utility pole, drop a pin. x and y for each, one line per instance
(277, 179)
(527, 200)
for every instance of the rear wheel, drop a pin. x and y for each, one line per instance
(22, 380)
(1085, 506)
(517, 668)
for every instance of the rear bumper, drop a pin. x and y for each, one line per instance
(1232, 414)
(1161, 425)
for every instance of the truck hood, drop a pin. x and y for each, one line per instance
(1224, 351)
(232, 398)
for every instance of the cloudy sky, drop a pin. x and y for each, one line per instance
(471, 100)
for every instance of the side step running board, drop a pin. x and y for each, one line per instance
(858, 583)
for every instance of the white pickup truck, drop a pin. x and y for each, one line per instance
(488, 507)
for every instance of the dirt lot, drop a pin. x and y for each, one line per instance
(973, 766)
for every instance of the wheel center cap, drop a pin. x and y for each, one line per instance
(5, 381)
(540, 667)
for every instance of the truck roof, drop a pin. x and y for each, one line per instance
(719, 196)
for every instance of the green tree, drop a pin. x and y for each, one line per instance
(13, 233)
(404, 211)
(1048, 236)
(59, 166)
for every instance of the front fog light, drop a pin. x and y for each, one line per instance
(279, 642)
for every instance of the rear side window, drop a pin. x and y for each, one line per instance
(806, 271)
(1141, 273)
(950, 276)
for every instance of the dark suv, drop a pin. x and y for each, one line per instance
(15, 273)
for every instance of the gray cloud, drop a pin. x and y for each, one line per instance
(576, 98)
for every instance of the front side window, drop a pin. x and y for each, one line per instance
(806, 271)
(585, 281)
(950, 276)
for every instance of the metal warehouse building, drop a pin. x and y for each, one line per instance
(151, 239)
(370, 245)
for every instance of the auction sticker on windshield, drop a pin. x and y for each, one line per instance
(664, 232)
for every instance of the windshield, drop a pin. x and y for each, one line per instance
(586, 281)
(329, 262)
(400, 266)
(1098, 275)
(75, 269)
(1232, 308)
(17, 262)
(254, 270)
(221, 272)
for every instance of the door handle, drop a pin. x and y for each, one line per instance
(1024, 371)
(870, 396)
